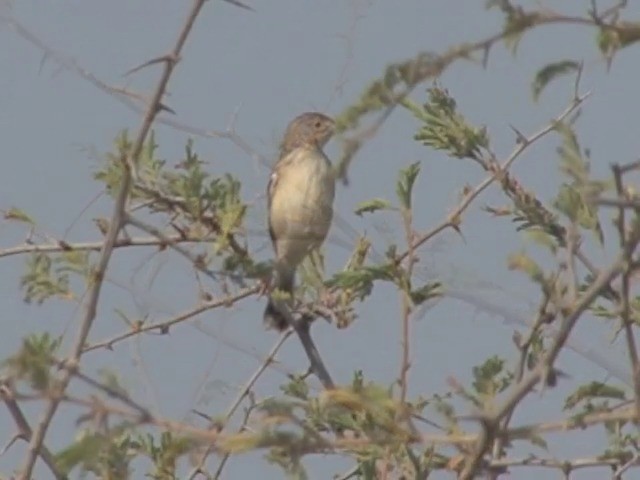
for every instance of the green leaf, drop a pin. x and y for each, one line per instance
(370, 206)
(491, 377)
(84, 452)
(542, 238)
(538, 441)
(572, 162)
(426, 292)
(359, 255)
(406, 180)
(104, 454)
(602, 312)
(296, 388)
(574, 198)
(574, 205)
(360, 281)
(550, 72)
(443, 128)
(414, 108)
(42, 280)
(521, 261)
(568, 202)
(592, 391)
(18, 215)
(610, 40)
(33, 362)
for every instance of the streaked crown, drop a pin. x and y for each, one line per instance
(308, 129)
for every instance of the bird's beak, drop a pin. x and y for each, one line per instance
(332, 129)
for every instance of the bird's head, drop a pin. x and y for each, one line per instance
(309, 129)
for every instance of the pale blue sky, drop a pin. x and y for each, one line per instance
(270, 65)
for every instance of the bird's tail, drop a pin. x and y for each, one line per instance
(273, 318)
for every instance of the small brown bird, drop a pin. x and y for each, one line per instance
(300, 201)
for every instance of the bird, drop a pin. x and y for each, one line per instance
(300, 196)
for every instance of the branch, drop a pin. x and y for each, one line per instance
(554, 463)
(24, 429)
(164, 326)
(105, 255)
(541, 372)
(64, 246)
(150, 229)
(302, 328)
(624, 303)
(385, 94)
(453, 219)
(407, 305)
(236, 403)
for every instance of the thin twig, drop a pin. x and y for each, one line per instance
(625, 308)
(150, 229)
(302, 327)
(244, 392)
(303, 330)
(64, 246)
(633, 461)
(524, 347)
(164, 326)
(545, 365)
(453, 219)
(620, 202)
(24, 429)
(406, 302)
(554, 463)
(105, 255)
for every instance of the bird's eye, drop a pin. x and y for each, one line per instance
(318, 124)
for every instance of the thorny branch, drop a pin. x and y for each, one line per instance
(140, 415)
(624, 303)
(545, 366)
(115, 225)
(301, 326)
(420, 72)
(453, 219)
(64, 246)
(425, 66)
(244, 393)
(24, 429)
(496, 423)
(164, 326)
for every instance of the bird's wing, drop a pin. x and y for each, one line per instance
(271, 186)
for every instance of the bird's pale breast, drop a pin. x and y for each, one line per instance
(302, 202)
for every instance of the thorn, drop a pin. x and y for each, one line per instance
(459, 232)
(454, 222)
(576, 87)
(520, 137)
(161, 106)
(164, 58)
(17, 436)
(231, 128)
(202, 415)
(165, 108)
(239, 4)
